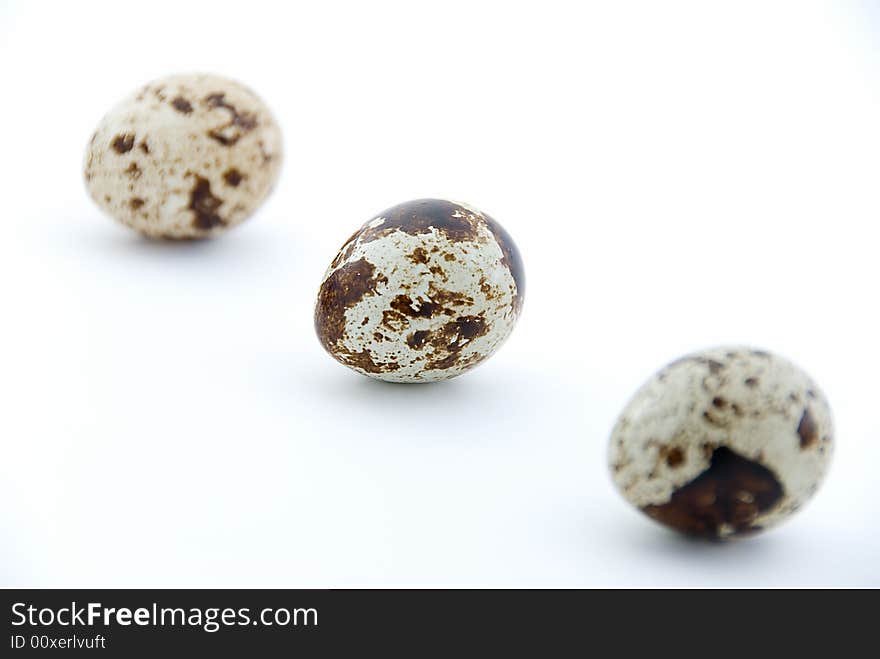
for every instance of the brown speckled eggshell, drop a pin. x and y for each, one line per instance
(723, 443)
(422, 292)
(186, 156)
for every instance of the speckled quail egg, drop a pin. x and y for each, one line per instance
(186, 156)
(422, 292)
(723, 443)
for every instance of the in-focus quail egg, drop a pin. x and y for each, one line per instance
(722, 443)
(186, 156)
(423, 291)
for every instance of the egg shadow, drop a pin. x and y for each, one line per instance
(242, 246)
(709, 561)
(215, 246)
(485, 404)
(354, 390)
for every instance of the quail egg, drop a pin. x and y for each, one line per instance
(723, 443)
(186, 156)
(422, 292)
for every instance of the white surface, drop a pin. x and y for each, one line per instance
(676, 176)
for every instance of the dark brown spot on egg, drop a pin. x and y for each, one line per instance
(405, 305)
(343, 289)
(807, 429)
(394, 320)
(674, 457)
(728, 496)
(471, 360)
(364, 361)
(418, 255)
(470, 327)
(239, 123)
(451, 338)
(511, 259)
(135, 203)
(205, 205)
(751, 383)
(347, 250)
(719, 402)
(232, 177)
(122, 143)
(182, 105)
(446, 298)
(417, 340)
(144, 146)
(421, 216)
(442, 363)
(133, 171)
(711, 419)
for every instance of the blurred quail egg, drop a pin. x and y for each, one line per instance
(422, 292)
(722, 443)
(186, 156)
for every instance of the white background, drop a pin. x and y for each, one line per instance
(677, 175)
